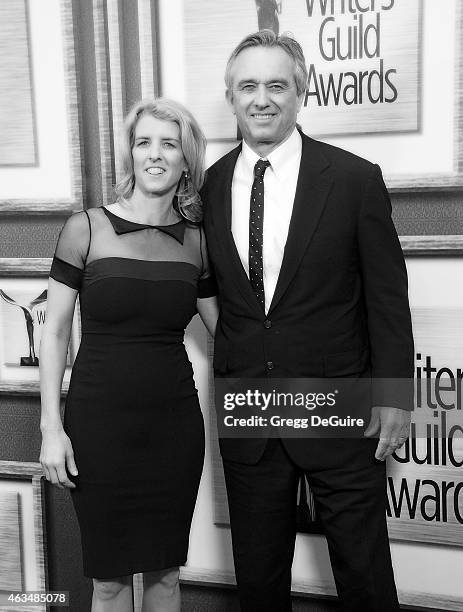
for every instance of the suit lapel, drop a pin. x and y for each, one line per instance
(311, 193)
(220, 195)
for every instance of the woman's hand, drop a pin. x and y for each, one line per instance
(55, 456)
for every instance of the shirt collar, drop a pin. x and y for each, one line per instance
(124, 226)
(285, 153)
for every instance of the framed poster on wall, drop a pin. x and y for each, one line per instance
(425, 479)
(40, 157)
(363, 64)
(373, 68)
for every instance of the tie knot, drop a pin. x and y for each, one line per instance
(260, 168)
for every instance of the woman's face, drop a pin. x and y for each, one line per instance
(158, 160)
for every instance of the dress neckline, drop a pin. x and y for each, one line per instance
(124, 226)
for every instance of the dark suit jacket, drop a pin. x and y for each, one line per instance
(340, 306)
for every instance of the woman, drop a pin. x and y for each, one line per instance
(132, 446)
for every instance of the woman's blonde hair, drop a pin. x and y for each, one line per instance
(193, 142)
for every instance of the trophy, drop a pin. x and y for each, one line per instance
(32, 360)
(267, 14)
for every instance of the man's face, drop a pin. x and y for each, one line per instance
(263, 97)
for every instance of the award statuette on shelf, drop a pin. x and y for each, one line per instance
(32, 360)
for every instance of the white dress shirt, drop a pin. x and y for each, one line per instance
(280, 182)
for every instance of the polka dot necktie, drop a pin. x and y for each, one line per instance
(256, 231)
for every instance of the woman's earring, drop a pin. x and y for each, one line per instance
(189, 202)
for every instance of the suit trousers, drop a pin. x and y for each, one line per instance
(349, 488)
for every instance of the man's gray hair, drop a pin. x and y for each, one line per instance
(267, 38)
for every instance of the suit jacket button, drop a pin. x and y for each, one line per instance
(267, 324)
(270, 365)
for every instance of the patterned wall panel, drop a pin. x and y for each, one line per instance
(22, 551)
(125, 71)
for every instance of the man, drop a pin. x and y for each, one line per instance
(318, 290)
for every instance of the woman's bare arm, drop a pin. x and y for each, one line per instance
(56, 453)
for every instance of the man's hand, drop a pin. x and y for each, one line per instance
(393, 426)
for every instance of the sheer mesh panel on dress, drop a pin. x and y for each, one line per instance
(135, 243)
(71, 251)
(112, 237)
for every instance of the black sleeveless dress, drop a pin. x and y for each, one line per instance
(132, 410)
